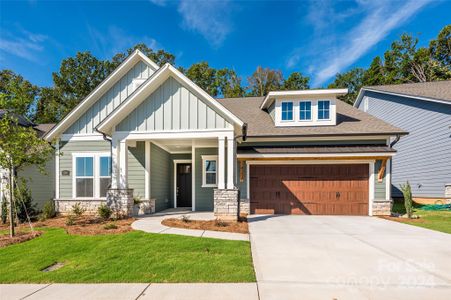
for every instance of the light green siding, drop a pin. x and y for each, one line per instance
(160, 170)
(379, 187)
(67, 149)
(173, 107)
(242, 186)
(41, 186)
(136, 169)
(110, 100)
(204, 195)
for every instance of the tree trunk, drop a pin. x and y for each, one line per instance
(11, 202)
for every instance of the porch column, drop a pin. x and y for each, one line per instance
(221, 163)
(114, 164)
(123, 165)
(230, 163)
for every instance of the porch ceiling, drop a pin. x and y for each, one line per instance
(184, 145)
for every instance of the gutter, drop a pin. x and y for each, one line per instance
(396, 140)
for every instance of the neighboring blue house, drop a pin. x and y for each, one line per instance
(424, 156)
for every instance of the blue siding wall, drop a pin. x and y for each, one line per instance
(424, 156)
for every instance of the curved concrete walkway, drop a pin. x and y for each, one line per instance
(153, 224)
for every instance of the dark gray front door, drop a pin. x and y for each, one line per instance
(183, 185)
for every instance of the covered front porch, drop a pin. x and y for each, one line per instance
(194, 170)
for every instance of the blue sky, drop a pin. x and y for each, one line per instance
(317, 38)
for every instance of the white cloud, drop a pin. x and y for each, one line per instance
(159, 2)
(209, 18)
(23, 44)
(332, 52)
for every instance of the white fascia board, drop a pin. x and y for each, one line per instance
(359, 97)
(315, 155)
(106, 84)
(148, 87)
(275, 94)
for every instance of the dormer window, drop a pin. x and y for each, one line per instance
(305, 110)
(287, 111)
(323, 110)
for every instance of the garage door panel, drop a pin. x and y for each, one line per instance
(309, 189)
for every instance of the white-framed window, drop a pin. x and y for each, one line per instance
(305, 110)
(323, 110)
(209, 171)
(287, 111)
(91, 175)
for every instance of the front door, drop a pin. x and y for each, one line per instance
(183, 185)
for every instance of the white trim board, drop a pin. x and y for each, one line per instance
(313, 155)
(176, 162)
(106, 84)
(300, 93)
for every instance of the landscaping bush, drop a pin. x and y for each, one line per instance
(136, 200)
(104, 211)
(48, 210)
(110, 226)
(407, 193)
(185, 219)
(24, 203)
(77, 210)
(4, 212)
(220, 223)
(70, 220)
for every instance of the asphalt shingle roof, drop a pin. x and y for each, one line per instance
(350, 121)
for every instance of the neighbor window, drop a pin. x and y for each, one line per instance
(323, 110)
(92, 175)
(305, 110)
(209, 174)
(84, 180)
(287, 111)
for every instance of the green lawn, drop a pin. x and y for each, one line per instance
(131, 257)
(435, 220)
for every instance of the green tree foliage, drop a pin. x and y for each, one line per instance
(229, 84)
(352, 80)
(375, 75)
(17, 94)
(51, 107)
(441, 47)
(160, 57)
(264, 80)
(296, 81)
(407, 193)
(204, 76)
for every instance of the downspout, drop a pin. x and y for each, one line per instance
(396, 140)
(243, 133)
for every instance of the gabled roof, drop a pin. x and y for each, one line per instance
(103, 87)
(148, 87)
(436, 91)
(318, 92)
(350, 121)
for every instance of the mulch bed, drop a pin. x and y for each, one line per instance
(20, 237)
(237, 227)
(403, 220)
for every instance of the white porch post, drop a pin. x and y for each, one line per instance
(221, 162)
(114, 164)
(230, 163)
(57, 171)
(123, 164)
(147, 171)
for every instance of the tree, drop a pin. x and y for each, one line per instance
(51, 108)
(160, 57)
(20, 146)
(375, 75)
(17, 94)
(264, 80)
(352, 80)
(229, 84)
(204, 76)
(296, 81)
(440, 48)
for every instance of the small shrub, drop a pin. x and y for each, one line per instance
(137, 200)
(23, 203)
(407, 193)
(77, 210)
(220, 223)
(48, 210)
(4, 211)
(110, 226)
(186, 219)
(70, 220)
(104, 211)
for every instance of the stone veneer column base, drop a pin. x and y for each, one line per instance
(245, 207)
(226, 203)
(120, 201)
(382, 207)
(64, 207)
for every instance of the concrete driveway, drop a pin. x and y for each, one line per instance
(340, 257)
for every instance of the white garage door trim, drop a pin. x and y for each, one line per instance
(317, 162)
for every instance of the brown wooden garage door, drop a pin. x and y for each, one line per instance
(309, 189)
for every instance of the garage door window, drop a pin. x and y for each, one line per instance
(209, 171)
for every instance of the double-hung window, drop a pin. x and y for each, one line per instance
(84, 177)
(323, 110)
(92, 175)
(287, 111)
(209, 171)
(305, 110)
